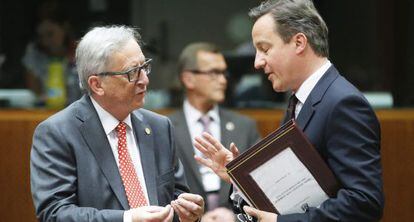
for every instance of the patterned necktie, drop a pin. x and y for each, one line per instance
(133, 189)
(206, 121)
(212, 197)
(293, 100)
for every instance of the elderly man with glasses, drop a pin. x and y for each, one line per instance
(103, 158)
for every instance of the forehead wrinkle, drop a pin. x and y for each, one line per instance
(131, 61)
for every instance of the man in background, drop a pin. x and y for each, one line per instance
(103, 158)
(202, 70)
(291, 41)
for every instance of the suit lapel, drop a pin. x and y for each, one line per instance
(305, 114)
(226, 128)
(315, 97)
(187, 148)
(145, 140)
(94, 135)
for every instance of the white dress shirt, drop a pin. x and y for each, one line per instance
(211, 181)
(306, 88)
(109, 123)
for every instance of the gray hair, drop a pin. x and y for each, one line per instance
(97, 46)
(188, 57)
(296, 16)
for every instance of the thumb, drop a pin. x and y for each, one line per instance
(170, 215)
(252, 211)
(234, 150)
(163, 213)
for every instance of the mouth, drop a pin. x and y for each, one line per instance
(268, 74)
(141, 92)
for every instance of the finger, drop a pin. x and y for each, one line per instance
(190, 205)
(170, 215)
(181, 211)
(152, 209)
(234, 149)
(161, 215)
(203, 161)
(199, 142)
(208, 142)
(252, 211)
(213, 141)
(192, 197)
(201, 147)
(208, 148)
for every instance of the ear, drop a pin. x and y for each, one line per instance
(301, 42)
(188, 80)
(95, 84)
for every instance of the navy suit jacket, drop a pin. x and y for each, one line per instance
(343, 127)
(74, 176)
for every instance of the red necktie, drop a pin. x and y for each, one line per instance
(133, 189)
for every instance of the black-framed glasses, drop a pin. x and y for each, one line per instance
(214, 73)
(133, 73)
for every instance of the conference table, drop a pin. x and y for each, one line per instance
(397, 151)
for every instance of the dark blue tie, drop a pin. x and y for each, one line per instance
(292, 106)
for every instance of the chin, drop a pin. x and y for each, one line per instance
(138, 104)
(219, 99)
(278, 88)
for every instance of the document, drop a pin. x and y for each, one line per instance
(293, 188)
(283, 173)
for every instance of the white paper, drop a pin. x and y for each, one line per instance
(288, 184)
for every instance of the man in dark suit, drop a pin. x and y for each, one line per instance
(102, 158)
(291, 41)
(203, 74)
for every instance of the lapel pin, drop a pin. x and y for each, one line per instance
(147, 131)
(230, 126)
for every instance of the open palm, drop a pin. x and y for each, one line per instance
(216, 155)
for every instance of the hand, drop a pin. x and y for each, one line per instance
(262, 216)
(152, 214)
(218, 156)
(220, 214)
(189, 207)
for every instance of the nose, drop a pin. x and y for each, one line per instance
(143, 79)
(222, 79)
(259, 61)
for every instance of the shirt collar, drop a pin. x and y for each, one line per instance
(109, 122)
(306, 88)
(193, 114)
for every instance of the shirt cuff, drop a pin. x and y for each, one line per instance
(234, 193)
(127, 216)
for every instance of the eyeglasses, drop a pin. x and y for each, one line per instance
(214, 73)
(133, 73)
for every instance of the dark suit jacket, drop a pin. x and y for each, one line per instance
(74, 176)
(344, 129)
(244, 134)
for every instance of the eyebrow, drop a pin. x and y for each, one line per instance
(136, 62)
(133, 65)
(263, 43)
